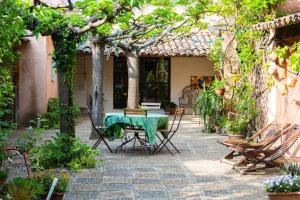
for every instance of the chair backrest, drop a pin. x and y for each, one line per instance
(91, 119)
(151, 106)
(129, 111)
(177, 119)
(287, 141)
(188, 97)
(269, 131)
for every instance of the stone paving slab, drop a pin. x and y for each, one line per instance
(194, 174)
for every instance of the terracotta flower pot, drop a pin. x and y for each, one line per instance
(282, 73)
(273, 57)
(291, 81)
(220, 91)
(57, 196)
(272, 69)
(283, 89)
(284, 196)
(234, 135)
(282, 62)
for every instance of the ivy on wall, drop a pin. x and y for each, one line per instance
(239, 58)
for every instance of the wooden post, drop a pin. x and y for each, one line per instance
(97, 90)
(133, 80)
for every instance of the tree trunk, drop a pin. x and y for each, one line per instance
(133, 80)
(97, 90)
(67, 122)
(65, 92)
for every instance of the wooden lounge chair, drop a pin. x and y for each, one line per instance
(168, 134)
(273, 156)
(262, 138)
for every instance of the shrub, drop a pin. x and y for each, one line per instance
(28, 139)
(291, 168)
(3, 176)
(45, 178)
(286, 183)
(23, 189)
(168, 105)
(63, 152)
(51, 119)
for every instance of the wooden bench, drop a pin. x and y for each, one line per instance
(151, 106)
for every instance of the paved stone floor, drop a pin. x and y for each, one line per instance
(196, 173)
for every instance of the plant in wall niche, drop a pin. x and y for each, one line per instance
(293, 65)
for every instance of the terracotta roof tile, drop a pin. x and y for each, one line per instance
(278, 23)
(197, 44)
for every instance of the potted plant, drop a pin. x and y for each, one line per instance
(23, 188)
(282, 53)
(273, 68)
(233, 129)
(208, 104)
(169, 107)
(219, 87)
(45, 178)
(293, 65)
(285, 187)
(236, 125)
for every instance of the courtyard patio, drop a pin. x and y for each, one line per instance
(195, 173)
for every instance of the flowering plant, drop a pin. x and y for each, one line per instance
(286, 183)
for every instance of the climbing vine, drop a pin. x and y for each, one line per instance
(55, 23)
(12, 28)
(237, 54)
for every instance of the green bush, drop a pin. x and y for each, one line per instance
(45, 178)
(23, 189)
(3, 176)
(63, 152)
(291, 168)
(51, 119)
(168, 105)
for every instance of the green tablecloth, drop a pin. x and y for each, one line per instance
(116, 122)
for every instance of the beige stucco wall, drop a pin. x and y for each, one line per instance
(83, 81)
(284, 108)
(182, 68)
(35, 86)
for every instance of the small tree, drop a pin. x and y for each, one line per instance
(12, 28)
(126, 29)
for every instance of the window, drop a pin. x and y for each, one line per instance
(154, 79)
(53, 70)
(120, 83)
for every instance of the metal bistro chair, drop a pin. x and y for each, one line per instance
(168, 134)
(136, 130)
(100, 134)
